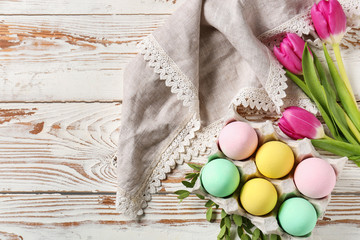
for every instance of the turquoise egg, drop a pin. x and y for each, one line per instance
(220, 177)
(297, 216)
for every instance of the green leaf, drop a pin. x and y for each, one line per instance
(223, 213)
(301, 84)
(337, 147)
(323, 78)
(330, 95)
(209, 203)
(187, 184)
(200, 196)
(245, 237)
(227, 222)
(256, 234)
(209, 214)
(247, 223)
(179, 192)
(247, 229)
(274, 237)
(340, 119)
(237, 220)
(321, 98)
(347, 101)
(194, 179)
(183, 196)
(311, 78)
(222, 222)
(227, 237)
(222, 232)
(196, 167)
(240, 231)
(190, 175)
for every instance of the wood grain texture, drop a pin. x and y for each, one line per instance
(92, 7)
(68, 58)
(33, 216)
(58, 147)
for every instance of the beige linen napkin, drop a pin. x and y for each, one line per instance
(209, 57)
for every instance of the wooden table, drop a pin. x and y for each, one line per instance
(61, 65)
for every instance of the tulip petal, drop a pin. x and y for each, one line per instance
(302, 121)
(336, 18)
(320, 23)
(297, 44)
(286, 128)
(288, 58)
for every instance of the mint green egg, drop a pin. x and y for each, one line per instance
(297, 216)
(220, 177)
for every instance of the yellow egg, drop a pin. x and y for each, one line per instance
(258, 196)
(274, 159)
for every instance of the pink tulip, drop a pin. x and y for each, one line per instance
(290, 53)
(298, 123)
(329, 21)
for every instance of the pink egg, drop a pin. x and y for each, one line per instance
(315, 178)
(238, 140)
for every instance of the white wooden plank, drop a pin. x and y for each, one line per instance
(58, 147)
(68, 58)
(89, 7)
(91, 216)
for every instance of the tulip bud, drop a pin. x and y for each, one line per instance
(298, 123)
(290, 53)
(329, 21)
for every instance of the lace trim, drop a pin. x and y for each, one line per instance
(300, 24)
(352, 11)
(175, 153)
(205, 139)
(174, 78)
(268, 98)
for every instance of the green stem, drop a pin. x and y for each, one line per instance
(301, 84)
(342, 70)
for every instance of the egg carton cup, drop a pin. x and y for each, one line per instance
(285, 187)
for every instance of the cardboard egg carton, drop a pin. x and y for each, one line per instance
(285, 187)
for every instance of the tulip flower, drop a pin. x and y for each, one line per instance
(298, 123)
(330, 24)
(290, 52)
(329, 21)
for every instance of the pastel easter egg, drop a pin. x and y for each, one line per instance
(297, 216)
(220, 177)
(274, 159)
(258, 196)
(238, 140)
(315, 178)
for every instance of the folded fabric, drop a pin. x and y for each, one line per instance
(209, 57)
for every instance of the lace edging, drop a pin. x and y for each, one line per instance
(176, 153)
(174, 78)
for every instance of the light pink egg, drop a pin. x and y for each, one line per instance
(238, 140)
(315, 178)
